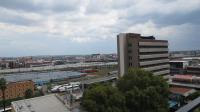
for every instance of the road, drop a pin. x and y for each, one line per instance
(101, 79)
(57, 67)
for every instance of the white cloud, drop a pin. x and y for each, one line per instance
(143, 7)
(79, 24)
(165, 32)
(26, 15)
(85, 21)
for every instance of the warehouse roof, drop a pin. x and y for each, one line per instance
(181, 91)
(48, 103)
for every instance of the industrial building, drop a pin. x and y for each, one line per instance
(17, 89)
(188, 65)
(48, 103)
(178, 66)
(138, 51)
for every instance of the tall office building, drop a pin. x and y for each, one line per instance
(138, 51)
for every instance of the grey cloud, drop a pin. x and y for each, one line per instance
(31, 6)
(177, 19)
(96, 23)
(162, 20)
(187, 41)
(17, 20)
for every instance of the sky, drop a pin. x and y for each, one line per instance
(68, 27)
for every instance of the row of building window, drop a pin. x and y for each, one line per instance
(130, 64)
(129, 45)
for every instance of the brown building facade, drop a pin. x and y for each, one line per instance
(17, 89)
(138, 51)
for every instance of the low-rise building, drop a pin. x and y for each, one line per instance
(48, 103)
(17, 89)
(193, 70)
(182, 91)
(178, 66)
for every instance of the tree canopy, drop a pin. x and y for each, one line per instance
(2, 84)
(103, 98)
(137, 91)
(28, 93)
(3, 88)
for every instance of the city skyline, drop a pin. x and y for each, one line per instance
(59, 27)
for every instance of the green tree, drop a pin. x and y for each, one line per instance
(28, 93)
(137, 91)
(3, 88)
(103, 98)
(194, 95)
(142, 89)
(197, 110)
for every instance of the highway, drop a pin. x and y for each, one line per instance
(57, 67)
(101, 79)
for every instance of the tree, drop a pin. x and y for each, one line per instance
(28, 93)
(103, 98)
(3, 88)
(137, 91)
(142, 89)
(194, 95)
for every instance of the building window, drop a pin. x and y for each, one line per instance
(130, 64)
(129, 45)
(130, 57)
(129, 51)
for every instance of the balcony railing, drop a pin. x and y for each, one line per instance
(153, 49)
(161, 72)
(153, 62)
(153, 56)
(157, 67)
(153, 44)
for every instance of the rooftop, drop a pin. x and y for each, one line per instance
(181, 91)
(48, 103)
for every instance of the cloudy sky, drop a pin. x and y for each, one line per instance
(53, 27)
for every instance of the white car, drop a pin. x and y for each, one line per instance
(55, 88)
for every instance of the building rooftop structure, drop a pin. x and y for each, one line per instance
(48, 103)
(181, 91)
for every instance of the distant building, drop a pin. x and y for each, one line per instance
(195, 70)
(17, 89)
(48, 103)
(188, 65)
(4, 65)
(178, 67)
(39, 63)
(138, 51)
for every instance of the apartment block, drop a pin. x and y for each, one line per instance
(17, 89)
(136, 51)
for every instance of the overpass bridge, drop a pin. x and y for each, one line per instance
(190, 106)
(100, 79)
